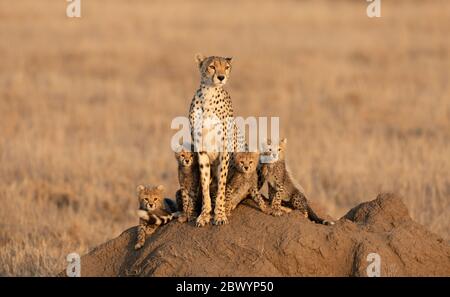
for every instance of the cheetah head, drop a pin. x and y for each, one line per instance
(150, 198)
(185, 158)
(272, 152)
(214, 71)
(246, 162)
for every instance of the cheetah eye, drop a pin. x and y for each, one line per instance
(227, 67)
(251, 162)
(212, 67)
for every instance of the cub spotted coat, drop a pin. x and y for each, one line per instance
(152, 212)
(244, 182)
(282, 187)
(189, 179)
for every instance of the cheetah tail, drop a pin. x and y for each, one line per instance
(167, 218)
(170, 205)
(315, 218)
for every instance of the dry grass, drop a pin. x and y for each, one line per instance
(86, 106)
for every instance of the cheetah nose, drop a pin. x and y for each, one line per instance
(220, 77)
(246, 167)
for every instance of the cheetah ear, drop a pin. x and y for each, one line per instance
(255, 156)
(199, 58)
(179, 149)
(140, 188)
(283, 143)
(177, 154)
(160, 187)
(229, 59)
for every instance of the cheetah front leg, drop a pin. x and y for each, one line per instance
(228, 201)
(140, 237)
(276, 208)
(220, 217)
(185, 201)
(205, 171)
(143, 231)
(256, 196)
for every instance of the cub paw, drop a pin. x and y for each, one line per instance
(182, 219)
(277, 213)
(288, 210)
(138, 246)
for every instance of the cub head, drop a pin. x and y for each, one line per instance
(214, 71)
(150, 198)
(272, 152)
(246, 162)
(185, 158)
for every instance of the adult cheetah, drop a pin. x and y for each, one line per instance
(213, 132)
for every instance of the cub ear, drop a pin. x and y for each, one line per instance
(199, 58)
(229, 59)
(179, 148)
(255, 155)
(140, 188)
(160, 187)
(283, 143)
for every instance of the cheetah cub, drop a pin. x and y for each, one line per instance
(189, 179)
(281, 186)
(152, 212)
(244, 182)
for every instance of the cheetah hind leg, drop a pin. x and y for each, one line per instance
(276, 208)
(300, 202)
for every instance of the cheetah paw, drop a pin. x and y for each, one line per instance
(288, 210)
(138, 246)
(277, 213)
(203, 220)
(191, 218)
(220, 220)
(182, 219)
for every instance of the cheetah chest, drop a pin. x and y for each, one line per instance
(209, 114)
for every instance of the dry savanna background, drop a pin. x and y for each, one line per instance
(86, 106)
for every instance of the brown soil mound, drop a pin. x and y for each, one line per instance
(255, 244)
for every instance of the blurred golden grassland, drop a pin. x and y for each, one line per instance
(86, 106)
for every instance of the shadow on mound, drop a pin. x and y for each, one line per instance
(255, 244)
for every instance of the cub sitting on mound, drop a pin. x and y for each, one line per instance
(189, 178)
(243, 182)
(281, 186)
(152, 212)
